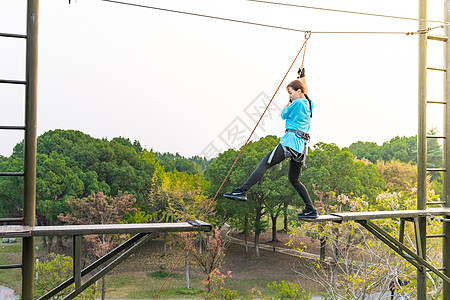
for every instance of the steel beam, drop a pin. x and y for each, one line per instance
(12, 174)
(77, 260)
(399, 248)
(29, 205)
(395, 245)
(446, 175)
(125, 246)
(16, 266)
(109, 267)
(422, 144)
(13, 35)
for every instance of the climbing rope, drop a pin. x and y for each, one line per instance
(307, 36)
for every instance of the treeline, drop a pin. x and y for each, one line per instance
(403, 149)
(71, 164)
(167, 187)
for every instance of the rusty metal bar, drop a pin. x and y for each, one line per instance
(437, 69)
(10, 220)
(109, 267)
(437, 38)
(77, 239)
(13, 35)
(6, 81)
(446, 175)
(12, 173)
(12, 127)
(419, 262)
(124, 246)
(29, 205)
(16, 266)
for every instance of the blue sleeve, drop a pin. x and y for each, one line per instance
(288, 110)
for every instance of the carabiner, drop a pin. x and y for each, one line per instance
(307, 34)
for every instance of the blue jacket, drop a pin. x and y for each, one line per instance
(298, 117)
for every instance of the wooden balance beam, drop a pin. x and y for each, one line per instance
(369, 215)
(71, 230)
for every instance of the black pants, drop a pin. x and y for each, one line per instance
(293, 175)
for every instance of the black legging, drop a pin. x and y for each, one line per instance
(294, 173)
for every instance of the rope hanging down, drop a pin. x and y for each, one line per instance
(307, 36)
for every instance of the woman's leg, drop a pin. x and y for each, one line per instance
(293, 175)
(263, 166)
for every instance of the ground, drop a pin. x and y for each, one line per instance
(142, 274)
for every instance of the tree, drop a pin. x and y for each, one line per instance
(99, 209)
(358, 264)
(268, 196)
(367, 150)
(54, 272)
(399, 176)
(208, 254)
(331, 169)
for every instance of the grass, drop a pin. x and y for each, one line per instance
(11, 254)
(142, 275)
(146, 286)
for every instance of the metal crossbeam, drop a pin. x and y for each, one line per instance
(16, 266)
(124, 246)
(395, 245)
(71, 230)
(370, 215)
(109, 267)
(13, 35)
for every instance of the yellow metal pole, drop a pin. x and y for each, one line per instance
(446, 175)
(422, 147)
(29, 206)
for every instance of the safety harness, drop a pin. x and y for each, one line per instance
(288, 152)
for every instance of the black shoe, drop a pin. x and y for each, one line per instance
(308, 213)
(237, 194)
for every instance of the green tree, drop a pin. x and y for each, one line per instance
(55, 271)
(266, 197)
(177, 162)
(399, 176)
(99, 209)
(367, 150)
(331, 169)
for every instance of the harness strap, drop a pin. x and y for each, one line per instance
(300, 134)
(305, 136)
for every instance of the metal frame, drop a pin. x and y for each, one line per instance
(446, 175)
(417, 260)
(29, 202)
(130, 246)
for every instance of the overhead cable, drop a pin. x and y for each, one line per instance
(252, 23)
(349, 12)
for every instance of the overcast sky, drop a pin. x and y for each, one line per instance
(180, 83)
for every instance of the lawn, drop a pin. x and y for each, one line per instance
(142, 274)
(11, 253)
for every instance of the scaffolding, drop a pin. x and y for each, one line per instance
(28, 231)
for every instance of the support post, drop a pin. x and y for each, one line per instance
(29, 205)
(422, 147)
(109, 267)
(446, 175)
(77, 260)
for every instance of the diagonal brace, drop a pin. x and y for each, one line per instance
(109, 267)
(396, 245)
(126, 245)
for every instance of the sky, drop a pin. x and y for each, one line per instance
(197, 86)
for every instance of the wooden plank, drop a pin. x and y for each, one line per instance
(370, 215)
(68, 230)
(15, 231)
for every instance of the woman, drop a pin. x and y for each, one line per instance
(297, 113)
